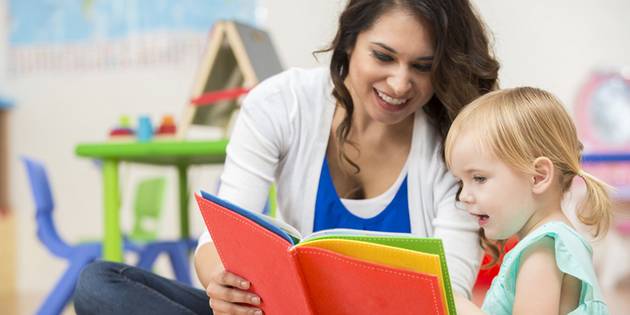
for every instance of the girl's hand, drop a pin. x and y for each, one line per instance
(228, 295)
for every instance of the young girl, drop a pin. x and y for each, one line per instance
(516, 154)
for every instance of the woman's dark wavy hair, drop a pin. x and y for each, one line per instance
(463, 64)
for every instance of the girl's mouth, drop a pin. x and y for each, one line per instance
(482, 219)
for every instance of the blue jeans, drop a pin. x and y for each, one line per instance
(114, 288)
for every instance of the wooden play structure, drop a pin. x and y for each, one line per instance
(237, 57)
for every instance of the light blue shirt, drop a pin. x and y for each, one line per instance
(574, 256)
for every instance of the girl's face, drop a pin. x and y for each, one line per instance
(500, 197)
(390, 66)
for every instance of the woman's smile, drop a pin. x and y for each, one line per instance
(389, 103)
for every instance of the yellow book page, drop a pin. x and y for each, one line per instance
(385, 255)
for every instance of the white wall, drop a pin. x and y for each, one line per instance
(550, 44)
(555, 44)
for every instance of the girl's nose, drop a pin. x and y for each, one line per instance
(466, 197)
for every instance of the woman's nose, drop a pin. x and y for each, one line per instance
(400, 82)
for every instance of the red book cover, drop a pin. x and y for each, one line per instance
(299, 279)
(258, 255)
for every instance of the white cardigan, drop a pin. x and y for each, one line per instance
(282, 133)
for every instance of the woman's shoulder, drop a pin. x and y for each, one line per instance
(300, 95)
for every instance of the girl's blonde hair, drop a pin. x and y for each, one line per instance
(521, 124)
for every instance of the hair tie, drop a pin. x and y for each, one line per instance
(581, 173)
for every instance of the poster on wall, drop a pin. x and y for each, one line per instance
(94, 35)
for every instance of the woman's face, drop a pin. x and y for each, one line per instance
(390, 66)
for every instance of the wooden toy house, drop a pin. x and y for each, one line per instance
(237, 57)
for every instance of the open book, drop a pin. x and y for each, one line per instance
(330, 272)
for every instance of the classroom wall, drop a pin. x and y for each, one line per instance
(556, 44)
(553, 45)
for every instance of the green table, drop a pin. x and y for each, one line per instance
(179, 154)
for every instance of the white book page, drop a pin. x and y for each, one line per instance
(280, 224)
(353, 232)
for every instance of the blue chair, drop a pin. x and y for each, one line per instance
(77, 255)
(80, 255)
(177, 251)
(148, 202)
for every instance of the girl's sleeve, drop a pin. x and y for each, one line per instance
(258, 142)
(459, 233)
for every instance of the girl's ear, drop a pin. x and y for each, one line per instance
(543, 176)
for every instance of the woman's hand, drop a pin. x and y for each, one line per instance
(227, 291)
(228, 295)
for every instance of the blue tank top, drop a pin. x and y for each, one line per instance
(330, 213)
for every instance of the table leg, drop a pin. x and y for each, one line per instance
(112, 241)
(184, 227)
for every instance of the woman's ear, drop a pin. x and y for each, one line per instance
(544, 174)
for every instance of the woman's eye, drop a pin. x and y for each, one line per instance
(479, 179)
(381, 56)
(423, 67)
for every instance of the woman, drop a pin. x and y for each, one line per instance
(358, 145)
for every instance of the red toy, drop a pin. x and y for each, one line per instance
(123, 131)
(167, 128)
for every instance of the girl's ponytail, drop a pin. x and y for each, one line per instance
(595, 209)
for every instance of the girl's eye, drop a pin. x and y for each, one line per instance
(381, 56)
(423, 67)
(479, 179)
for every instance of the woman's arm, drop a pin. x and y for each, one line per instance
(257, 144)
(226, 290)
(255, 148)
(248, 172)
(207, 262)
